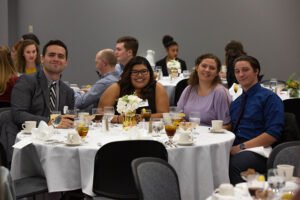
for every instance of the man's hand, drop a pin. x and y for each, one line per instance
(235, 149)
(67, 121)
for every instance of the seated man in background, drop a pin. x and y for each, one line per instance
(257, 118)
(105, 65)
(126, 48)
(35, 96)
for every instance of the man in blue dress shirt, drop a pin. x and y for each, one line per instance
(257, 118)
(105, 65)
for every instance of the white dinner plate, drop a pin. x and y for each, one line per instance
(188, 143)
(217, 131)
(72, 144)
(26, 132)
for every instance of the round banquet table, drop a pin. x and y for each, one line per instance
(170, 86)
(201, 167)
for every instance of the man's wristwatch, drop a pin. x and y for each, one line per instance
(242, 146)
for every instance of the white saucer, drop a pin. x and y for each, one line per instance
(26, 132)
(187, 143)
(216, 131)
(72, 144)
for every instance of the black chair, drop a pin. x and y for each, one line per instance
(27, 186)
(113, 176)
(291, 131)
(181, 85)
(286, 153)
(293, 106)
(155, 179)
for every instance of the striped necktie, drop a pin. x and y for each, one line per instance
(52, 96)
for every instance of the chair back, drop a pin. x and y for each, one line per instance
(112, 170)
(286, 153)
(181, 85)
(155, 179)
(293, 106)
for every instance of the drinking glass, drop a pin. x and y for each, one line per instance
(97, 114)
(273, 84)
(82, 127)
(186, 73)
(109, 112)
(157, 126)
(170, 129)
(55, 118)
(195, 117)
(146, 114)
(276, 182)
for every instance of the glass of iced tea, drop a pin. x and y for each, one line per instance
(146, 114)
(82, 127)
(170, 129)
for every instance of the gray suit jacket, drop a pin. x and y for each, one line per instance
(30, 98)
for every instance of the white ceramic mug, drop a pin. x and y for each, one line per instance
(286, 171)
(217, 125)
(73, 138)
(28, 125)
(226, 189)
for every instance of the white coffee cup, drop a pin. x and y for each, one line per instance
(286, 171)
(226, 189)
(217, 125)
(73, 137)
(185, 138)
(28, 125)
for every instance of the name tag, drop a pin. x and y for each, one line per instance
(144, 103)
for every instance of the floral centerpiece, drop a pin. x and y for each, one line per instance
(293, 86)
(174, 68)
(127, 106)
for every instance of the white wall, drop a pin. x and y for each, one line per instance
(269, 29)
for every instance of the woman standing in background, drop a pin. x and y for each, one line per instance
(172, 49)
(8, 76)
(28, 57)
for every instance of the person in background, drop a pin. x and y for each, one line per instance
(31, 36)
(233, 50)
(205, 93)
(28, 57)
(8, 76)
(172, 50)
(138, 79)
(126, 49)
(257, 119)
(35, 96)
(105, 65)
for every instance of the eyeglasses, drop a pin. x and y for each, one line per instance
(137, 72)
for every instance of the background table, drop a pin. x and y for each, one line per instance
(170, 86)
(201, 167)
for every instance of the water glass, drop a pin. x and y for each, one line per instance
(97, 114)
(55, 118)
(273, 84)
(186, 73)
(157, 126)
(109, 112)
(276, 182)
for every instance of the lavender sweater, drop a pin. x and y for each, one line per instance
(213, 106)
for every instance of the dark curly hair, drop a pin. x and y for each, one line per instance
(168, 41)
(126, 87)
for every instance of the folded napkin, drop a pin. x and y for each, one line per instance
(263, 151)
(233, 93)
(43, 132)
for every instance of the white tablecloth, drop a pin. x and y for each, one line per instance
(170, 86)
(201, 167)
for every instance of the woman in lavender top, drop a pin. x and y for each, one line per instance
(205, 93)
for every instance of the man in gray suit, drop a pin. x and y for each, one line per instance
(35, 96)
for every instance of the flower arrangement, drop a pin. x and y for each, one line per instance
(293, 86)
(128, 104)
(173, 64)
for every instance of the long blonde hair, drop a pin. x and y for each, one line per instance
(6, 68)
